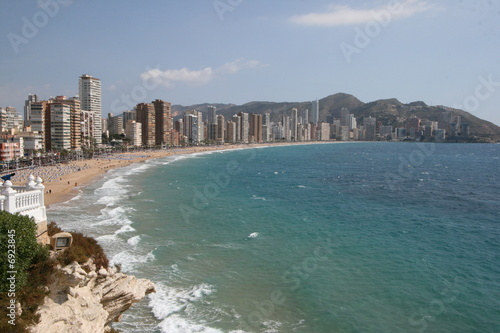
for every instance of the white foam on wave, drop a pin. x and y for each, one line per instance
(114, 216)
(124, 229)
(172, 307)
(230, 246)
(134, 241)
(253, 235)
(272, 326)
(129, 260)
(112, 191)
(254, 197)
(107, 238)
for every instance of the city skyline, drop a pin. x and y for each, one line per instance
(240, 51)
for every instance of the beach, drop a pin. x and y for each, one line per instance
(64, 181)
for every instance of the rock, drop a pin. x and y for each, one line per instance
(79, 302)
(72, 275)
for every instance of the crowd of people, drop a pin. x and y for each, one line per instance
(47, 173)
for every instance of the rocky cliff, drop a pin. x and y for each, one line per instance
(85, 300)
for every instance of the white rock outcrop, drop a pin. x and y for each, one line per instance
(82, 300)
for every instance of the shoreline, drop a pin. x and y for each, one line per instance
(63, 182)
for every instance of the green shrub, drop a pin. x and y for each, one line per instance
(18, 247)
(33, 267)
(82, 249)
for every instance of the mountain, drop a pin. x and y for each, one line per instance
(388, 111)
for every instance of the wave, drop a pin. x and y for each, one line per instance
(253, 235)
(124, 229)
(134, 241)
(113, 216)
(174, 307)
(130, 260)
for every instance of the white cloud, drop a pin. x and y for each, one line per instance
(169, 77)
(344, 15)
(237, 65)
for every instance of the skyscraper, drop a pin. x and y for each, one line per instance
(91, 100)
(37, 116)
(163, 122)
(145, 113)
(305, 117)
(237, 124)
(32, 98)
(58, 134)
(293, 125)
(212, 115)
(244, 127)
(191, 126)
(344, 117)
(255, 128)
(315, 111)
(128, 115)
(133, 131)
(220, 129)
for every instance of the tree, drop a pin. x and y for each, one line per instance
(18, 248)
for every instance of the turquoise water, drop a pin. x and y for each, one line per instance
(344, 237)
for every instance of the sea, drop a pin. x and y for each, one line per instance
(334, 238)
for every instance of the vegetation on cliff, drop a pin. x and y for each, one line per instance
(34, 267)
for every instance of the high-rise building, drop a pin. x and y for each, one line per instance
(74, 123)
(412, 126)
(244, 129)
(370, 125)
(10, 120)
(293, 125)
(315, 111)
(163, 122)
(128, 115)
(37, 116)
(32, 98)
(220, 129)
(58, 129)
(237, 124)
(200, 133)
(115, 124)
(255, 128)
(145, 113)
(91, 100)
(231, 131)
(191, 127)
(324, 131)
(87, 128)
(305, 116)
(211, 132)
(344, 117)
(465, 129)
(212, 115)
(287, 133)
(133, 131)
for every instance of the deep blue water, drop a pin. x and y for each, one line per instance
(344, 237)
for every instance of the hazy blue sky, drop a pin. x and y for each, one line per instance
(237, 51)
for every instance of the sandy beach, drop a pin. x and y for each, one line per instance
(64, 181)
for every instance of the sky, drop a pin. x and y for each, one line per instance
(237, 51)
